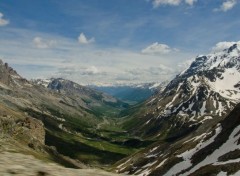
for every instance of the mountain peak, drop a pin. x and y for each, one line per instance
(221, 61)
(9, 76)
(233, 47)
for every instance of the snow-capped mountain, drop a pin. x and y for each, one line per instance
(190, 120)
(42, 82)
(209, 88)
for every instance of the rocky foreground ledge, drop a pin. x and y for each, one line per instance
(26, 165)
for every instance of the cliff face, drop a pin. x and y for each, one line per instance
(34, 129)
(9, 76)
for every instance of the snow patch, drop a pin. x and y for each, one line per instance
(222, 173)
(203, 109)
(160, 164)
(228, 146)
(187, 155)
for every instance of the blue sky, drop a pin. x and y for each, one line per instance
(112, 41)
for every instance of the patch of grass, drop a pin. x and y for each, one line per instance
(101, 111)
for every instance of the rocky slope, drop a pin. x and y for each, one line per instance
(209, 150)
(192, 120)
(87, 97)
(9, 77)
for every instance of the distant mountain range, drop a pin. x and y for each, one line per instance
(132, 93)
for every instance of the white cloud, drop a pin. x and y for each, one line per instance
(184, 65)
(3, 22)
(43, 44)
(158, 48)
(157, 3)
(160, 70)
(227, 5)
(82, 39)
(125, 77)
(190, 2)
(92, 70)
(222, 45)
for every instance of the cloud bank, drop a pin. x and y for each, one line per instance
(89, 64)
